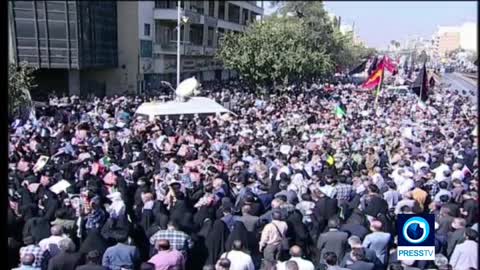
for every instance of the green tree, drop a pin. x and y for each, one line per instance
(20, 81)
(274, 51)
(299, 41)
(321, 30)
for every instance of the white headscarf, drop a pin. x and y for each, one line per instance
(117, 207)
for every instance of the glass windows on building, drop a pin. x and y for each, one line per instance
(146, 29)
(196, 34)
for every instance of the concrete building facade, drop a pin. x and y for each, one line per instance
(449, 38)
(446, 39)
(62, 39)
(125, 46)
(206, 23)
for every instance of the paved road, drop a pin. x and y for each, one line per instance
(461, 83)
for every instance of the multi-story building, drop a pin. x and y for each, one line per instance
(147, 41)
(63, 39)
(206, 23)
(446, 39)
(468, 36)
(141, 38)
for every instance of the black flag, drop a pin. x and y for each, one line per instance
(373, 66)
(432, 82)
(360, 68)
(405, 65)
(420, 85)
(412, 67)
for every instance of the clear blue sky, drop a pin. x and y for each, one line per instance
(377, 23)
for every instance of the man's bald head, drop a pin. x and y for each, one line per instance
(56, 230)
(296, 251)
(28, 259)
(246, 209)
(163, 244)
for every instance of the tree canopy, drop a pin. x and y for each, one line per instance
(298, 41)
(20, 81)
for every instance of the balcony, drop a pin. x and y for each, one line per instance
(165, 14)
(250, 5)
(171, 14)
(185, 49)
(231, 26)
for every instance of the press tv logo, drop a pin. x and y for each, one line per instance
(416, 237)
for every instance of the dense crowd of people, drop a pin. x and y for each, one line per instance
(284, 182)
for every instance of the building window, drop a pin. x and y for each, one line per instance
(165, 33)
(146, 29)
(220, 34)
(221, 10)
(23, 4)
(197, 6)
(54, 6)
(210, 37)
(25, 28)
(245, 16)
(253, 16)
(57, 30)
(196, 34)
(166, 4)
(211, 8)
(233, 13)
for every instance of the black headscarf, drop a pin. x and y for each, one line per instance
(199, 252)
(239, 232)
(94, 241)
(180, 213)
(216, 241)
(299, 231)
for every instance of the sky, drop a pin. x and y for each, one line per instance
(376, 23)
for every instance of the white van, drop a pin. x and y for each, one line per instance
(200, 106)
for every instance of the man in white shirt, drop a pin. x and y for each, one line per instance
(296, 253)
(420, 163)
(51, 243)
(405, 185)
(239, 260)
(439, 171)
(465, 255)
(457, 171)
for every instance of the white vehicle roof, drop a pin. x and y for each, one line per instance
(400, 87)
(194, 105)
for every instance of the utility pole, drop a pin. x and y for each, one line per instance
(178, 41)
(263, 11)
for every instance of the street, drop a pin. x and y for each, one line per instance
(457, 81)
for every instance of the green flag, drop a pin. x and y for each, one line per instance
(339, 112)
(105, 161)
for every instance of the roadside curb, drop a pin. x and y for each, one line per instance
(470, 80)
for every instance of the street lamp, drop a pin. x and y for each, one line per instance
(180, 19)
(178, 42)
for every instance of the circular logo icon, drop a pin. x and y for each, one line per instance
(416, 230)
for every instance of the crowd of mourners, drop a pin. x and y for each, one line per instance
(284, 182)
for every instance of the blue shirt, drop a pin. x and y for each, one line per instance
(120, 255)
